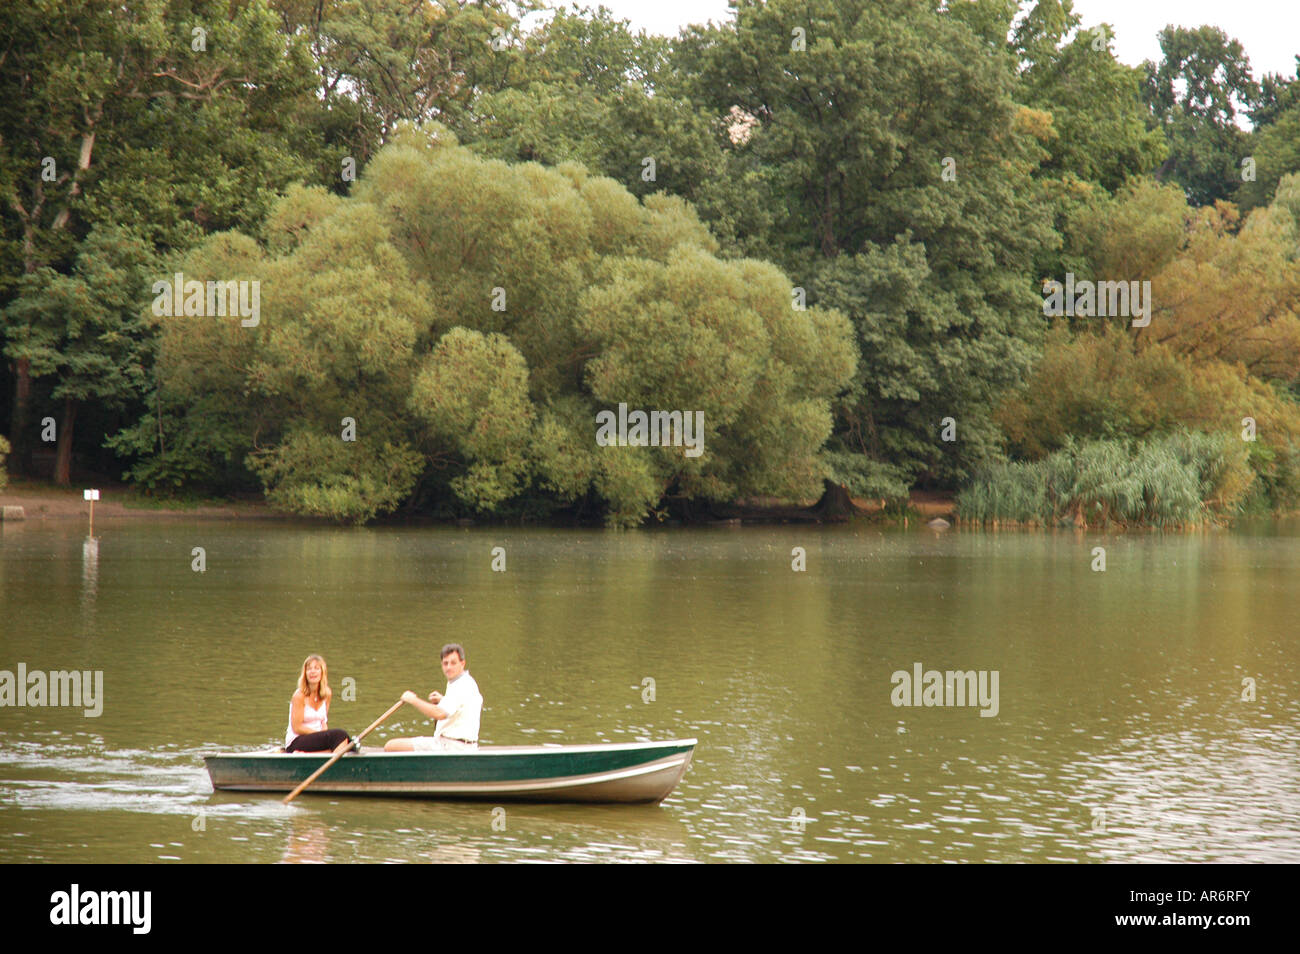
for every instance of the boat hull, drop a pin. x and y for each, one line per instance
(629, 773)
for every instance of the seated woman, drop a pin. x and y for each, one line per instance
(309, 711)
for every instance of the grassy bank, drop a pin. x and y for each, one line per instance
(41, 498)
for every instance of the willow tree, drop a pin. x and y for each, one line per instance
(607, 300)
(471, 319)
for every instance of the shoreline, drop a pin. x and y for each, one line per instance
(41, 501)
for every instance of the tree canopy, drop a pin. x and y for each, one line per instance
(824, 226)
(472, 318)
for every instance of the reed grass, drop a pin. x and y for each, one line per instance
(1182, 479)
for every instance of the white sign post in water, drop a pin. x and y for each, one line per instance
(92, 496)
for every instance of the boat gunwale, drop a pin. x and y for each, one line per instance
(554, 748)
(504, 787)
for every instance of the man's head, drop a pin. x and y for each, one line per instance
(453, 660)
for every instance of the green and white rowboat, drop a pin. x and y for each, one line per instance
(616, 772)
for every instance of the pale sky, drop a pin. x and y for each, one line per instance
(1268, 29)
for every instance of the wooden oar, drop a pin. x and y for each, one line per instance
(339, 752)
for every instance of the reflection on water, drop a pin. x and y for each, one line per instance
(89, 582)
(308, 841)
(1123, 732)
(89, 568)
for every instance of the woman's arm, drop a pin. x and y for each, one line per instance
(295, 716)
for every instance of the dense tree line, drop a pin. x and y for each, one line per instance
(826, 225)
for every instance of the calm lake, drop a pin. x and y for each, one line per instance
(1147, 712)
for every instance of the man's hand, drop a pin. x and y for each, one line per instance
(409, 697)
(435, 697)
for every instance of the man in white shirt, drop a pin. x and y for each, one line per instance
(457, 711)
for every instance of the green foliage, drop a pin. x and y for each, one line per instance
(1131, 235)
(120, 142)
(990, 20)
(322, 476)
(145, 132)
(1285, 210)
(4, 451)
(84, 328)
(916, 170)
(925, 357)
(588, 90)
(199, 447)
(1276, 151)
(1277, 94)
(339, 317)
(1091, 97)
(384, 62)
(472, 391)
(845, 156)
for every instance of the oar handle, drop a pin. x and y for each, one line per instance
(375, 725)
(340, 751)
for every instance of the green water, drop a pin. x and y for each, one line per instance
(1121, 731)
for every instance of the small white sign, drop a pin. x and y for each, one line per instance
(92, 494)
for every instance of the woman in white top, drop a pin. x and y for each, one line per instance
(309, 729)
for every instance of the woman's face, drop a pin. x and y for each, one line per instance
(313, 672)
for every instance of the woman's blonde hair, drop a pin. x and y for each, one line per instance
(324, 687)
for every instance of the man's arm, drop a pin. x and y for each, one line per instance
(428, 708)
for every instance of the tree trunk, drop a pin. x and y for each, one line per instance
(836, 504)
(20, 460)
(63, 455)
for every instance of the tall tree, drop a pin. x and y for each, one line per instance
(899, 191)
(1275, 141)
(168, 120)
(1277, 94)
(382, 62)
(590, 90)
(1196, 94)
(1070, 72)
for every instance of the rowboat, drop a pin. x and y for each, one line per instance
(612, 772)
